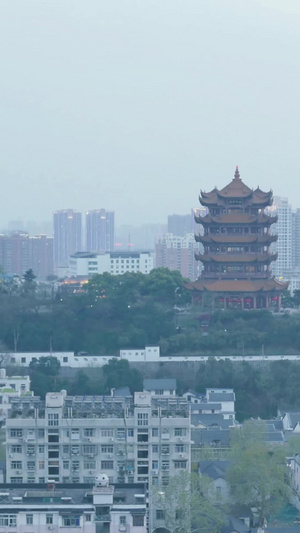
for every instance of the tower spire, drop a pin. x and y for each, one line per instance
(236, 174)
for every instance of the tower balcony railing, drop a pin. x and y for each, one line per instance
(236, 275)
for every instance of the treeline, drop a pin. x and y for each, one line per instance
(260, 388)
(134, 310)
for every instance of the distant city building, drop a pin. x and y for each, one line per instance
(41, 256)
(139, 237)
(67, 235)
(100, 230)
(10, 388)
(179, 225)
(19, 252)
(296, 238)
(89, 264)
(178, 253)
(283, 228)
(237, 256)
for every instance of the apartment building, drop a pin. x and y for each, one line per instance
(68, 439)
(81, 509)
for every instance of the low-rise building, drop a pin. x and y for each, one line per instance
(80, 509)
(115, 263)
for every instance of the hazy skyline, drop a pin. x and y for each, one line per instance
(135, 106)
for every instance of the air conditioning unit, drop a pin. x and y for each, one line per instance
(91, 471)
(50, 527)
(181, 455)
(111, 439)
(109, 455)
(11, 455)
(19, 473)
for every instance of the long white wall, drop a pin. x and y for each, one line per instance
(150, 354)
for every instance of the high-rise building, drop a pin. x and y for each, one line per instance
(100, 230)
(41, 256)
(178, 253)
(67, 235)
(237, 254)
(19, 252)
(181, 224)
(296, 238)
(284, 229)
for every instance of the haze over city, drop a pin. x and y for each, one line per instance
(135, 106)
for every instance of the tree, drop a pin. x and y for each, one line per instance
(188, 503)
(49, 366)
(118, 373)
(258, 475)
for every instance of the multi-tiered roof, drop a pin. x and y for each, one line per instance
(236, 240)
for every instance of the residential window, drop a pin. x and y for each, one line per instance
(160, 515)
(130, 433)
(89, 449)
(155, 448)
(75, 434)
(89, 465)
(14, 479)
(180, 432)
(53, 419)
(142, 419)
(29, 519)
(107, 449)
(154, 432)
(71, 521)
(8, 520)
(88, 432)
(138, 520)
(16, 433)
(41, 465)
(107, 465)
(66, 465)
(154, 465)
(88, 517)
(180, 465)
(75, 450)
(65, 359)
(49, 519)
(123, 520)
(41, 480)
(121, 434)
(66, 448)
(107, 433)
(165, 465)
(41, 449)
(16, 449)
(16, 465)
(41, 433)
(179, 448)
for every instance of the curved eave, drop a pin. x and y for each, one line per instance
(238, 286)
(232, 219)
(236, 239)
(233, 259)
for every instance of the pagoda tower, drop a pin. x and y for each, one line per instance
(236, 242)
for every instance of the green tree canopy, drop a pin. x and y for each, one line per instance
(189, 504)
(258, 475)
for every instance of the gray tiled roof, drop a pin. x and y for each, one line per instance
(221, 396)
(159, 384)
(205, 437)
(208, 420)
(213, 469)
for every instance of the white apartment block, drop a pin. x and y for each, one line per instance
(70, 439)
(115, 263)
(284, 229)
(88, 509)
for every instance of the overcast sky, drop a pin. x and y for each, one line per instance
(136, 105)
